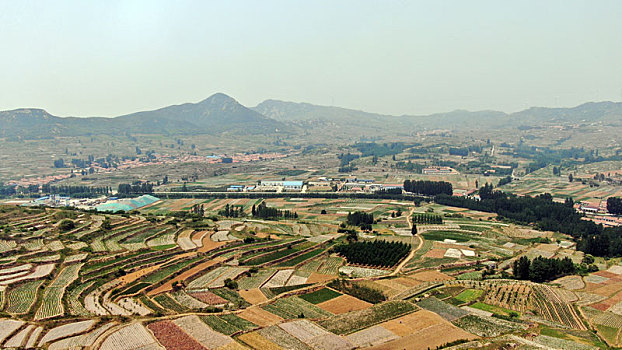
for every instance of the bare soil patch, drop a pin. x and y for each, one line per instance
(253, 296)
(343, 304)
(260, 316)
(319, 278)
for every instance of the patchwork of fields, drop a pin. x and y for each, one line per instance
(187, 282)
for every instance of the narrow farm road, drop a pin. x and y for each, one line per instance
(413, 251)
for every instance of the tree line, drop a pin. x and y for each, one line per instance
(232, 211)
(77, 191)
(428, 188)
(138, 188)
(422, 218)
(546, 215)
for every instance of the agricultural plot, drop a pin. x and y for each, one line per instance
(354, 321)
(182, 298)
(314, 336)
(66, 330)
(445, 310)
(167, 302)
(19, 339)
(39, 271)
(7, 327)
(553, 308)
(81, 341)
(485, 326)
(515, 296)
(228, 324)
(320, 295)
(52, 304)
(131, 337)
(281, 338)
(173, 337)
(19, 299)
(199, 331)
(343, 304)
(256, 280)
(294, 307)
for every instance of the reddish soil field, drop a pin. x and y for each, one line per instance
(600, 306)
(209, 245)
(168, 286)
(344, 303)
(608, 290)
(173, 337)
(607, 274)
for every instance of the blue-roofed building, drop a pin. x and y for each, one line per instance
(292, 185)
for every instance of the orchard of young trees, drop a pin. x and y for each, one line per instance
(373, 253)
(542, 269)
(428, 188)
(422, 218)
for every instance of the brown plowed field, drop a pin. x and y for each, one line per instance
(343, 304)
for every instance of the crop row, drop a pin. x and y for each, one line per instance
(20, 299)
(552, 308)
(52, 304)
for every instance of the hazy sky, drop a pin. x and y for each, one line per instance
(106, 58)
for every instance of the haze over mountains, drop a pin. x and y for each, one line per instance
(222, 114)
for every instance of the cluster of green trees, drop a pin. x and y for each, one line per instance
(345, 159)
(232, 211)
(459, 151)
(614, 205)
(361, 219)
(7, 190)
(137, 188)
(374, 253)
(76, 191)
(504, 181)
(380, 149)
(542, 269)
(409, 166)
(542, 156)
(547, 215)
(420, 218)
(198, 209)
(264, 212)
(359, 291)
(428, 188)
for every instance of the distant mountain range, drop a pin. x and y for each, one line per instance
(222, 114)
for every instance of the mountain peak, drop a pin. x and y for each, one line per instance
(219, 98)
